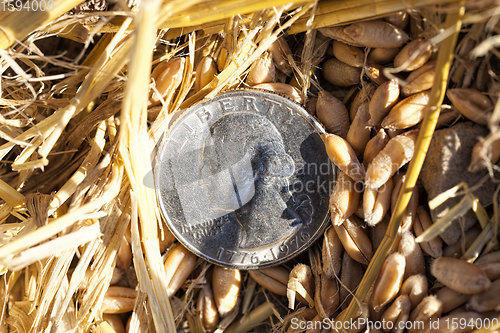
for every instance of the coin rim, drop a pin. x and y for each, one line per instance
(159, 151)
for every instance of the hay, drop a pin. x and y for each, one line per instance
(76, 144)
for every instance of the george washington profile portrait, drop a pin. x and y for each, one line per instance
(253, 155)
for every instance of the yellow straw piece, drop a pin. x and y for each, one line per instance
(331, 13)
(10, 195)
(212, 11)
(254, 318)
(15, 25)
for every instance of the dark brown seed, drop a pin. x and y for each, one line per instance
(363, 96)
(351, 55)
(381, 55)
(460, 275)
(332, 113)
(327, 296)
(471, 103)
(488, 300)
(376, 33)
(332, 254)
(419, 50)
(451, 299)
(350, 276)
(340, 74)
(359, 131)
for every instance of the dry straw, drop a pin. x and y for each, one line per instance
(102, 202)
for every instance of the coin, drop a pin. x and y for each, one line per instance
(243, 179)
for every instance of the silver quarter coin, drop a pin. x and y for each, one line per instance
(243, 179)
